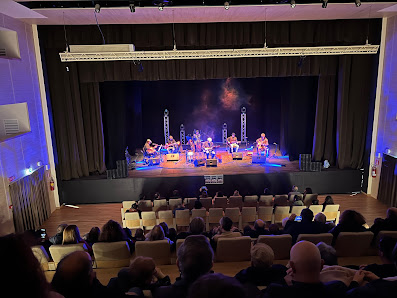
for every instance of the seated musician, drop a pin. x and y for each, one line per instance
(262, 145)
(149, 148)
(209, 148)
(172, 145)
(233, 143)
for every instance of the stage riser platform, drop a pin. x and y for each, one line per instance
(91, 191)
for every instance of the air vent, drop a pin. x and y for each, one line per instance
(2, 52)
(11, 126)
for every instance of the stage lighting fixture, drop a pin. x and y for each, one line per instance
(293, 3)
(97, 8)
(161, 6)
(325, 3)
(358, 3)
(132, 7)
(226, 5)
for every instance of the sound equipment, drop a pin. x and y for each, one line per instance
(154, 161)
(199, 162)
(304, 162)
(315, 166)
(120, 172)
(211, 163)
(237, 155)
(258, 158)
(172, 157)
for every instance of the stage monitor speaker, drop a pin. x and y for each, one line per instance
(258, 158)
(305, 162)
(172, 157)
(211, 163)
(237, 155)
(315, 166)
(154, 161)
(199, 162)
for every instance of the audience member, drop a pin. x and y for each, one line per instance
(259, 229)
(262, 271)
(281, 201)
(178, 207)
(92, 236)
(74, 278)
(305, 226)
(139, 235)
(236, 193)
(203, 189)
(194, 259)
(165, 228)
(308, 191)
(196, 227)
(225, 229)
(175, 194)
(172, 235)
(294, 191)
(113, 232)
(58, 237)
(204, 194)
(267, 192)
(134, 208)
(274, 229)
(387, 224)
(71, 235)
(350, 221)
(216, 285)
(137, 277)
(297, 201)
(157, 196)
(198, 205)
(321, 218)
(315, 201)
(328, 254)
(328, 201)
(157, 233)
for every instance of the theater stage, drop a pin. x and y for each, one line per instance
(278, 174)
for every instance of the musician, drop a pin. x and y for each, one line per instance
(233, 143)
(209, 148)
(150, 148)
(262, 145)
(172, 146)
(197, 140)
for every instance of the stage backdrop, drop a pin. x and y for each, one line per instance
(283, 108)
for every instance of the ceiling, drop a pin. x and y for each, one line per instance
(200, 14)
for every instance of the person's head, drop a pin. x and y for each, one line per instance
(226, 223)
(315, 202)
(171, 138)
(266, 191)
(134, 206)
(295, 188)
(128, 232)
(172, 234)
(259, 224)
(71, 235)
(351, 218)
(141, 271)
(328, 200)
(139, 234)
(203, 188)
(194, 257)
(209, 140)
(198, 204)
(308, 190)
(61, 228)
(320, 217)
(328, 254)
(307, 215)
(385, 248)
(149, 141)
(297, 198)
(233, 134)
(197, 226)
(142, 197)
(216, 285)
(175, 193)
(165, 227)
(236, 193)
(305, 262)
(219, 194)
(274, 229)
(157, 233)
(93, 235)
(262, 256)
(263, 135)
(21, 268)
(112, 232)
(391, 213)
(204, 194)
(74, 275)
(157, 196)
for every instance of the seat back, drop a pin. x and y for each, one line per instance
(292, 196)
(280, 212)
(265, 213)
(174, 202)
(297, 209)
(248, 215)
(132, 220)
(381, 234)
(265, 200)
(59, 251)
(331, 211)
(189, 203)
(179, 243)
(167, 217)
(215, 215)
(148, 219)
(220, 202)
(207, 203)
(145, 205)
(281, 245)
(127, 204)
(235, 202)
(160, 205)
(250, 201)
(237, 249)
(316, 209)
(309, 198)
(199, 213)
(316, 238)
(233, 214)
(182, 218)
(112, 254)
(42, 256)
(352, 244)
(158, 250)
(281, 200)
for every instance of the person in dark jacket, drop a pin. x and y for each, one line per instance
(350, 221)
(259, 229)
(387, 224)
(58, 237)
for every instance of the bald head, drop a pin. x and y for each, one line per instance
(305, 261)
(259, 224)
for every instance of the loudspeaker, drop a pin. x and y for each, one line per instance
(154, 161)
(172, 157)
(315, 166)
(237, 155)
(258, 158)
(305, 162)
(211, 163)
(109, 174)
(199, 162)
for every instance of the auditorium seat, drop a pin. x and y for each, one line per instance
(391, 234)
(234, 215)
(265, 213)
(280, 212)
(248, 215)
(145, 205)
(127, 204)
(266, 200)
(352, 244)
(148, 220)
(316, 238)
(167, 217)
(179, 243)
(316, 208)
(59, 251)
(220, 202)
(236, 249)
(174, 202)
(235, 201)
(189, 203)
(111, 254)
(42, 256)
(182, 218)
(281, 245)
(160, 205)
(132, 220)
(250, 201)
(331, 212)
(215, 215)
(158, 250)
(297, 209)
(309, 198)
(281, 200)
(199, 213)
(292, 196)
(207, 203)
